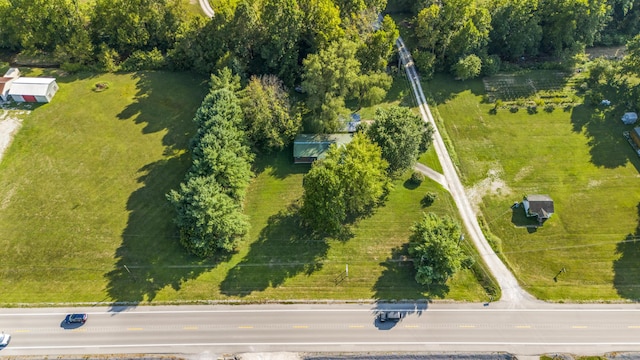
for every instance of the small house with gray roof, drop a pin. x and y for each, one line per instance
(539, 206)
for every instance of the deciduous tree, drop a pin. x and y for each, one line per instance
(129, 25)
(453, 28)
(515, 28)
(568, 24)
(433, 245)
(400, 134)
(348, 183)
(467, 67)
(270, 122)
(281, 26)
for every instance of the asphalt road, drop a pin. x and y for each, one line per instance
(220, 330)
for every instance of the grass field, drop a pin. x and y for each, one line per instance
(577, 156)
(83, 184)
(84, 217)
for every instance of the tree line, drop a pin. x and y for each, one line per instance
(470, 38)
(276, 36)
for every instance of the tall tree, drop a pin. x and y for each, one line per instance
(129, 25)
(400, 134)
(348, 183)
(244, 31)
(515, 28)
(39, 24)
(281, 23)
(451, 29)
(363, 172)
(323, 204)
(433, 245)
(270, 122)
(321, 25)
(209, 202)
(209, 220)
(329, 76)
(377, 48)
(632, 58)
(568, 24)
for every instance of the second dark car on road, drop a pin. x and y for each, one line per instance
(76, 318)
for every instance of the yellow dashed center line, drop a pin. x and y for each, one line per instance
(300, 326)
(411, 326)
(78, 330)
(634, 327)
(190, 328)
(245, 327)
(579, 327)
(467, 326)
(356, 326)
(134, 329)
(21, 331)
(523, 327)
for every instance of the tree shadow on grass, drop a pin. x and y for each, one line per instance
(150, 257)
(283, 250)
(397, 281)
(159, 109)
(626, 268)
(279, 164)
(603, 129)
(444, 88)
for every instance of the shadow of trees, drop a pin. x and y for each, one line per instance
(608, 148)
(282, 250)
(602, 125)
(280, 164)
(397, 281)
(150, 257)
(443, 88)
(626, 268)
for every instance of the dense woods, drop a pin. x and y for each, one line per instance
(292, 38)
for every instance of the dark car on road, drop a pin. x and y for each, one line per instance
(76, 318)
(390, 315)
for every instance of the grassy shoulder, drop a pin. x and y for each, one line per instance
(85, 219)
(578, 156)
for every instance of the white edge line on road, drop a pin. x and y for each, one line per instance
(408, 310)
(253, 344)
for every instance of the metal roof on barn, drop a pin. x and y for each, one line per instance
(317, 145)
(30, 86)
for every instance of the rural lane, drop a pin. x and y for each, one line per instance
(512, 293)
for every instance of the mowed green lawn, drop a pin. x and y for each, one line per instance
(84, 216)
(579, 158)
(82, 186)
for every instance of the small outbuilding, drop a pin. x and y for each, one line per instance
(308, 148)
(629, 118)
(33, 89)
(539, 206)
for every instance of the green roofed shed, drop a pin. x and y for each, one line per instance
(308, 148)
